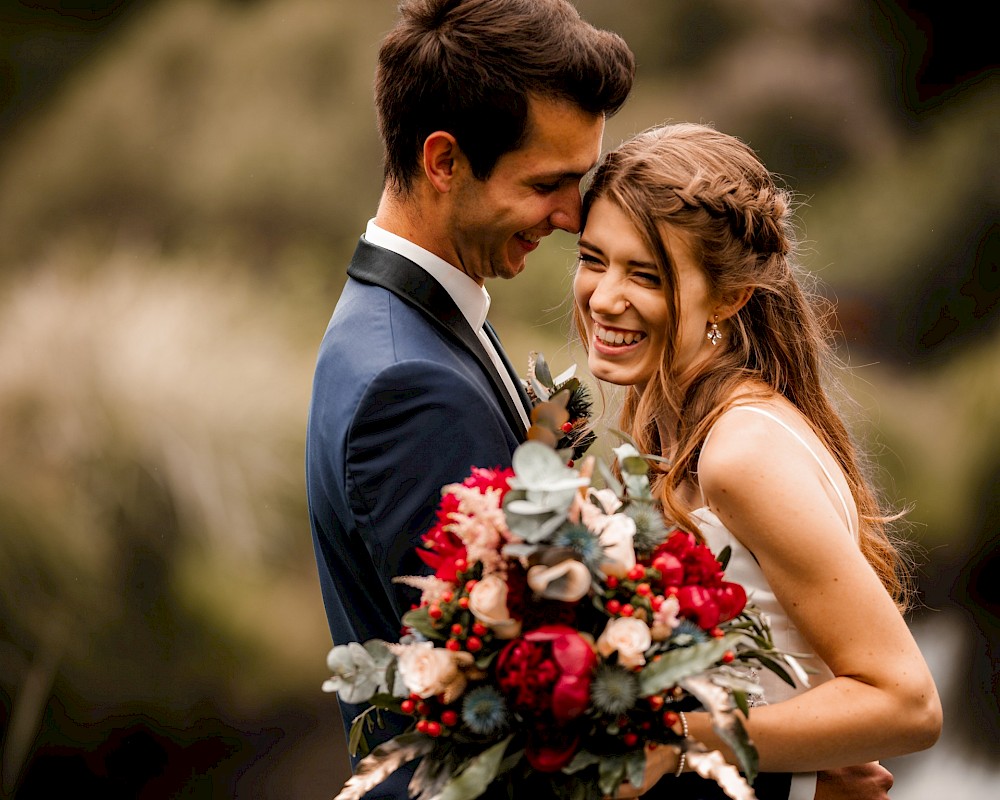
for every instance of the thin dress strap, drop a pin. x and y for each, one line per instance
(805, 444)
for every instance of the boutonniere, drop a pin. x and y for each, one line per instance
(561, 409)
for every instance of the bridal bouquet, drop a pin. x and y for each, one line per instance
(561, 631)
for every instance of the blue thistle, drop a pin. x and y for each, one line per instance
(484, 711)
(582, 542)
(614, 689)
(650, 532)
(687, 634)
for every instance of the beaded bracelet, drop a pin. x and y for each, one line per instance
(682, 761)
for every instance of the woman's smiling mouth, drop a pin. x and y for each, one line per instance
(617, 338)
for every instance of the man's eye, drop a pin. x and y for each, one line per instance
(546, 188)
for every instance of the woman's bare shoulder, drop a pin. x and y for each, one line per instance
(750, 448)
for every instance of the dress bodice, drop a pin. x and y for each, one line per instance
(744, 570)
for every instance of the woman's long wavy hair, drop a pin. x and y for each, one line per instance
(713, 187)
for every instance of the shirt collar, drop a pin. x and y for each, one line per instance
(472, 299)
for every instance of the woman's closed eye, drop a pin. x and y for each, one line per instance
(646, 278)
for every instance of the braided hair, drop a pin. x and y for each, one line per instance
(714, 188)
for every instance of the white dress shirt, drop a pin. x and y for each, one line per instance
(472, 299)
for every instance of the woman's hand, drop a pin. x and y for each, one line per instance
(660, 761)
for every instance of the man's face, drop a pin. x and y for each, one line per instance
(531, 192)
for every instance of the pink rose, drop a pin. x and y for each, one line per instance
(427, 670)
(629, 637)
(488, 604)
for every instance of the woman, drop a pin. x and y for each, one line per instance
(687, 293)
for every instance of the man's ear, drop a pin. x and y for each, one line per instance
(727, 309)
(441, 151)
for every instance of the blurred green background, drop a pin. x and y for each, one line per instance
(181, 186)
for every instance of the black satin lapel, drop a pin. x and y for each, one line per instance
(381, 267)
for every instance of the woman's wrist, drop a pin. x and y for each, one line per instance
(682, 756)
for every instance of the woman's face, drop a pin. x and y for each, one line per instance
(620, 295)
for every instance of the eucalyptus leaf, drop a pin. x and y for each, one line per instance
(609, 478)
(520, 550)
(536, 465)
(541, 391)
(418, 620)
(477, 775)
(675, 665)
(635, 767)
(356, 742)
(582, 760)
(775, 667)
(725, 722)
(535, 528)
(542, 371)
(610, 774)
(740, 698)
(429, 778)
(562, 379)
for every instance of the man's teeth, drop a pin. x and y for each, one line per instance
(530, 238)
(618, 337)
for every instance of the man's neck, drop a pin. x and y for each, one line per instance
(408, 217)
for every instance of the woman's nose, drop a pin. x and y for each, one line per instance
(608, 296)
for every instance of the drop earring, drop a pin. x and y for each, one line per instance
(714, 334)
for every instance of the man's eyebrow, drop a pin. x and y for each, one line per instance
(559, 177)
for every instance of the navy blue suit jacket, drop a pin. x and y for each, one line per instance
(405, 400)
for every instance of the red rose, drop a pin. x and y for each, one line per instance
(732, 598)
(550, 749)
(671, 569)
(547, 670)
(701, 566)
(677, 544)
(699, 604)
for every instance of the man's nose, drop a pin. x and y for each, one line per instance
(566, 215)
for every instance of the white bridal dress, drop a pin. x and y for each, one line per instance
(744, 569)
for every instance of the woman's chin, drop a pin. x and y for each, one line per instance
(615, 374)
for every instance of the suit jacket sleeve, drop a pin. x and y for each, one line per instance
(419, 426)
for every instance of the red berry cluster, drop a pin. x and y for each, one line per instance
(434, 717)
(639, 594)
(451, 619)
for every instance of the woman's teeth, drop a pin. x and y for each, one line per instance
(618, 337)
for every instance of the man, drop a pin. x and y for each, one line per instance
(491, 112)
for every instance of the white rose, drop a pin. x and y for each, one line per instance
(630, 637)
(488, 604)
(616, 537)
(608, 499)
(425, 669)
(568, 581)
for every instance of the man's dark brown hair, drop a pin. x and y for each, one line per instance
(469, 67)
